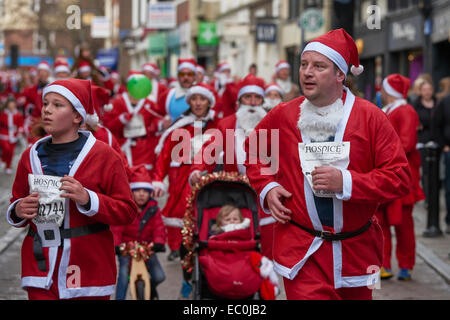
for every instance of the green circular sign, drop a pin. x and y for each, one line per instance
(311, 20)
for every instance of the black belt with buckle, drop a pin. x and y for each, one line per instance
(65, 234)
(330, 236)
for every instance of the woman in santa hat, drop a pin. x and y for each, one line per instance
(79, 187)
(191, 126)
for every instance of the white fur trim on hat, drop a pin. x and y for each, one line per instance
(43, 66)
(66, 93)
(328, 52)
(282, 66)
(187, 65)
(391, 91)
(224, 67)
(251, 89)
(148, 67)
(85, 69)
(273, 87)
(204, 92)
(141, 185)
(59, 69)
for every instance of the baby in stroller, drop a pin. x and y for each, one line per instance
(229, 218)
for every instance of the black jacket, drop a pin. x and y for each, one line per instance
(441, 125)
(427, 118)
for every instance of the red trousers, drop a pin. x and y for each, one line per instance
(7, 150)
(53, 292)
(315, 280)
(405, 237)
(174, 238)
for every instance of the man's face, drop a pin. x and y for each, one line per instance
(43, 75)
(384, 97)
(148, 74)
(186, 77)
(251, 99)
(283, 74)
(319, 79)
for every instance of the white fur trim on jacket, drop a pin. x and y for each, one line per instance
(236, 226)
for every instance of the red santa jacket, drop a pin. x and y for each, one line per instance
(178, 169)
(138, 150)
(228, 100)
(11, 124)
(152, 231)
(100, 171)
(378, 172)
(33, 96)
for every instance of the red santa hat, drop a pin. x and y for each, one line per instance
(223, 66)
(339, 47)
(115, 75)
(187, 64)
(100, 98)
(84, 66)
(251, 84)
(273, 86)
(150, 67)
(200, 69)
(133, 73)
(204, 90)
(140, 178)
(43, 65)
(78, 92)
(61, 58)
(397, 86)
(281, 65)
(62, 66)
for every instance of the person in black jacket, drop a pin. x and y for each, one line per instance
(425, 106)
(441, 134)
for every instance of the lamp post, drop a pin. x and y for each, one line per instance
(426, 9)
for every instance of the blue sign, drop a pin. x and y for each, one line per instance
(108, 58)
(266, 32)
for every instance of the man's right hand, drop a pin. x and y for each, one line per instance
(166, 122)
(274, 200)
(27, 208)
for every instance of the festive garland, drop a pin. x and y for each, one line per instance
(189, 220)
(137, 250)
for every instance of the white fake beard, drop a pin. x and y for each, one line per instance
(269, 104)
(286, 85)
(320, 123)
(248, 117)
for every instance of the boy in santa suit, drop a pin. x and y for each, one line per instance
(147, 227)
(340, 158)
(398, 213)
(11, 125)
(227, 91)
(68, 252)
(234, 129)
(133, 123)
(197, 120)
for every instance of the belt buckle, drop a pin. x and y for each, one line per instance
(326, 235)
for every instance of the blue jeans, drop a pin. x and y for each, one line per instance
(447, 185)
(157, 274)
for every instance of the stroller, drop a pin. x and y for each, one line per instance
(220, 267)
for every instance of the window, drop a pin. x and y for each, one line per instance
(294, 9)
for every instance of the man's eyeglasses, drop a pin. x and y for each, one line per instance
(186, 74)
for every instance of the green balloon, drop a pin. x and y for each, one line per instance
(139, 87)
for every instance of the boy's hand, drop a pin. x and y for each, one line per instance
(74, 190)
(27, 208)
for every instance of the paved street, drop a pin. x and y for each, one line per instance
(429, 276)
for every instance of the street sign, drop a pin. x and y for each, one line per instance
(100, 27)
(162, 16)
(158, 45)
(266, 32)
(207, 34)
(311, 20)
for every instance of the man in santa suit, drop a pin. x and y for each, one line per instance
(234, 129)
(339, 158)
(273, 96)
(192, 126)
(78, 188)
(227, 91)
(150, 70)
(132, 121)
(398, 213)
(118, 87)
(173, 103)
(283, 79)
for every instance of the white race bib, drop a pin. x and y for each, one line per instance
(135, 128)
(51, 205)
(318, 154)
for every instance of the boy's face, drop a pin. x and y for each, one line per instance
(232, 218)
(58, 115)
(141, 197)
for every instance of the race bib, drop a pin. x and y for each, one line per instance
(319, 154)
(135, 128)
(51, 206)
